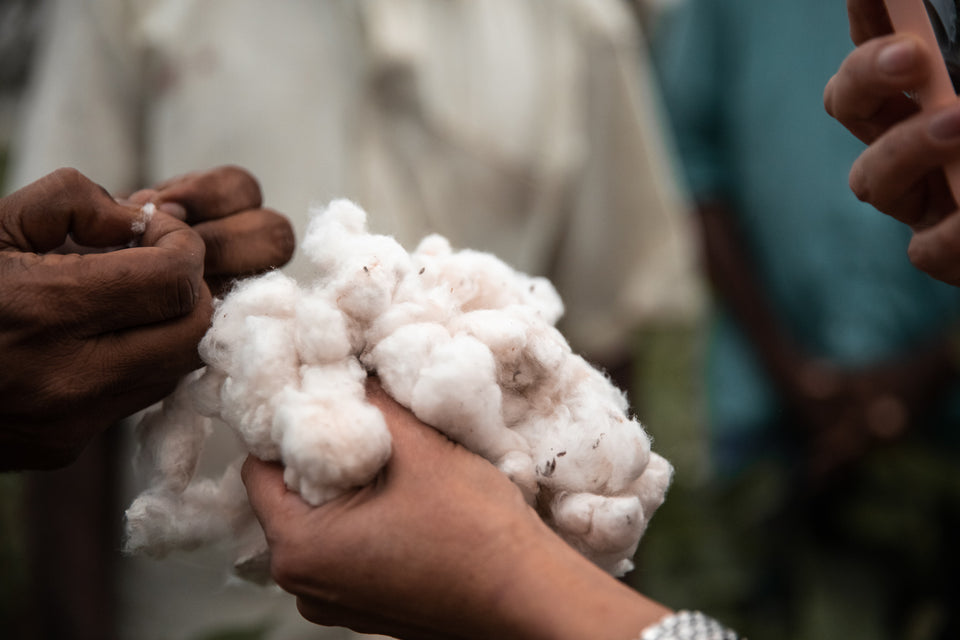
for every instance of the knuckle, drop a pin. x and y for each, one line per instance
(70, 178)
(180, 293)
(245, 184)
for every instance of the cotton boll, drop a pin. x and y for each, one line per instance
(264, 362)
(481, 281)
(204, 393)
(518, 466)
(399, 358)
(543, 297)
(604, 456)
(547, 348)
(251, 417)
(365, 286)
(170, 438)
(321, 334)
(538, 371)
(332, 226)
(504, 334)
(604, 450)
(432, 246)
(428, 310)
(604, 524)
(266, 354)
(365, 292)
(270, 295)
(651, 486)
(207, 511)
(457, 393)
(460, 338)
(605, 529)
(331, 438)
(361, 269)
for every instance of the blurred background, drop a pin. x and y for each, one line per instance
(667, 163)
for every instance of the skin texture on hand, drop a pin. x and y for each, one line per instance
(225, 207)
(88, 339)
(90, 333)
(441, 545)
(900, 173)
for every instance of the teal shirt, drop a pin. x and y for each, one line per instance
(743, 84)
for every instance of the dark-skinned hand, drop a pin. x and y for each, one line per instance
(97, 320)
(225, 207)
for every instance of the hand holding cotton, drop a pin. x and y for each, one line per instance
(461, 339)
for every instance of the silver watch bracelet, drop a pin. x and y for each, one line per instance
(688, 625)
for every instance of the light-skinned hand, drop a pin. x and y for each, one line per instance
(440, 545)
(901, 171)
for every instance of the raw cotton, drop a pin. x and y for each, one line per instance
(461, 339)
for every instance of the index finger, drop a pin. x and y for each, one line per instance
(212, 194)
(866, 95)
(64, 204)
(868, 19)
(98, 293)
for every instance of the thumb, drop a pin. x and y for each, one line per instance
(265, 488)
(934, 250)
(64, 204)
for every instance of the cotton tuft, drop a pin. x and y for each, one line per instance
(461, 339)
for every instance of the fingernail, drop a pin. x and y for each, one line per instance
(898, 58)
(174, 209)
(946, 125)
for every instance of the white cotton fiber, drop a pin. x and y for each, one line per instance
(461, 339)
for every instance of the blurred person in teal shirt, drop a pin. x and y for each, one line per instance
(830, 372)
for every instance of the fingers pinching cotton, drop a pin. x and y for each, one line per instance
(111, 291)
(212, 194)
(99, 335)
(41, 216)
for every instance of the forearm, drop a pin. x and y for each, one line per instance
(554, 593)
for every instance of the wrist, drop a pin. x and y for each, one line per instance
(554, 593)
